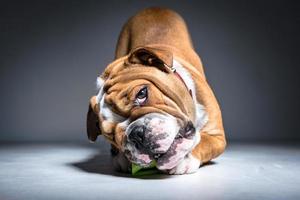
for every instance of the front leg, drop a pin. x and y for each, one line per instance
(188, 165)
(119, 162)
(209, 147)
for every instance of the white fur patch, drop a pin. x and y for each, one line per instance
(105, 109)
(197, 138)
(175, 158)
(99, 83)
(202, 117)
(188, 165)
(108, 114)
(186, 76)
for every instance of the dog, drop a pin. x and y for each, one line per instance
(154, 102)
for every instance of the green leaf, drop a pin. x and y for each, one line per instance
(137, 170)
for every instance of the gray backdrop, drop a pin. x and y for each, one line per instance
(52, 51)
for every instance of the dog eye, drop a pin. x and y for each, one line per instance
(142, 95)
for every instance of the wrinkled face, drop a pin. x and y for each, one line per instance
(147, 114)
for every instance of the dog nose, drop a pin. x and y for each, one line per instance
(137, 135)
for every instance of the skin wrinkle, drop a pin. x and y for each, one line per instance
(176, 111)
(157, 82)
(128, 89)
(116, 65)
(137, 112)
(124, 97)
(170, 103)
(119, 104)
(117, 96)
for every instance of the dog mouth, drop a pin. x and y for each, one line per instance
(171, 156)
(186, 134)
(178, 150)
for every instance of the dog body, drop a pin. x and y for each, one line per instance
(154, 102)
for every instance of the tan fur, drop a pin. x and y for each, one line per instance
(160, 30)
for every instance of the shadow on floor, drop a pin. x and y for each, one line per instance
(97, 164)
(101, 164)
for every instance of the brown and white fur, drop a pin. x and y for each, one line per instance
(178, 122)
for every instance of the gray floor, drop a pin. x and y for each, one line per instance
(63, 171)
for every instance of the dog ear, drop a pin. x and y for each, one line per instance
(160, 58)
(92, 122)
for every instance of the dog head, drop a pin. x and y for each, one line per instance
(145, 111)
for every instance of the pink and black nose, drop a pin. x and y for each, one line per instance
(137, 136)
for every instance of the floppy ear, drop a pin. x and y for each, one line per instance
(92, 122)
(159, 58)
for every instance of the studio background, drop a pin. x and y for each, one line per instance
(52, 51)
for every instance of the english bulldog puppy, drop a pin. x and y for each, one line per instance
(154, 102)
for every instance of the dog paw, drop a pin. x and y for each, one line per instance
(188, 165)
